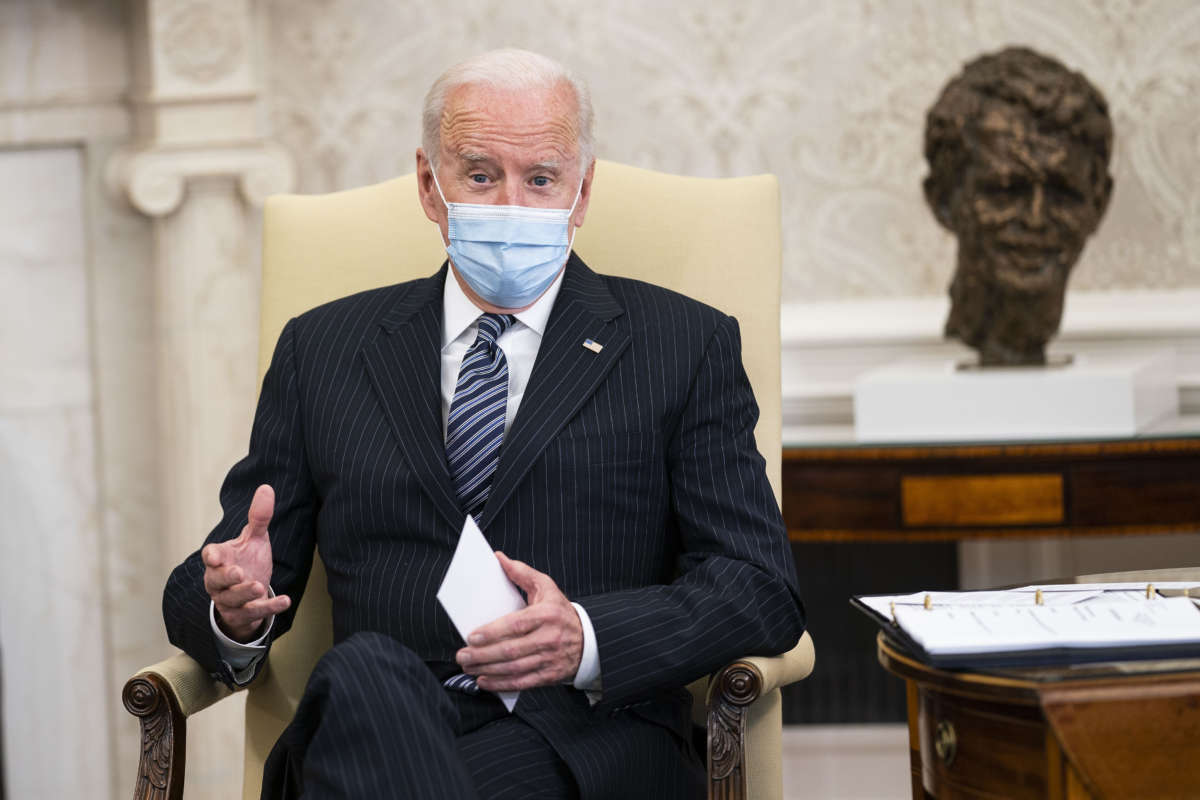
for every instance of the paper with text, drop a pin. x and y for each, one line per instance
(1053, 594)
(881, 604)
(476, 591)
(949, 630)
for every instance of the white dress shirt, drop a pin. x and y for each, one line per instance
(520, 343)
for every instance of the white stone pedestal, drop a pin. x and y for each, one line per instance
(1097, 396)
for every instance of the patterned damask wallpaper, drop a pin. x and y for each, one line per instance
(830, 95)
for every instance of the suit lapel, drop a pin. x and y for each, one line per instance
(564, 376)
(404, 366)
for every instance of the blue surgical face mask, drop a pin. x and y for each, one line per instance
(508, 255)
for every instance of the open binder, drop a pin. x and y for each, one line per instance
(1041, 625)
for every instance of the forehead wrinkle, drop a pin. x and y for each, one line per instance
(997, 165)
(462, 113)
(549, 151)
(522, 120)
(1007, 156)
(476, 127)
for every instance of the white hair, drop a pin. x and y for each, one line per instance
(506, 69)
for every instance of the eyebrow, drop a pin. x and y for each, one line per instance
(1011, 163)
(476, 157)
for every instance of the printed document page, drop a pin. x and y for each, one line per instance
(950, 629)
(1052, 595)
(882, 604)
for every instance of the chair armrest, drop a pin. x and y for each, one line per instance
(190, 686)
(773, 672)
(730, 694)
(162, 696)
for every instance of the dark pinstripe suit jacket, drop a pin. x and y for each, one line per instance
(630, 476)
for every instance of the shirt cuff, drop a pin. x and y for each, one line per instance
(241, 658)
(587, 677)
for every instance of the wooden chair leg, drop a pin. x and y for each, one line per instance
(733, 690)
(164, 738)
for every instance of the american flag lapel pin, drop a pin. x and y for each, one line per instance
(595, 347)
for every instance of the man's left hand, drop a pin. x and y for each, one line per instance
(540, 645)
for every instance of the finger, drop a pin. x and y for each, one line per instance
(262, 508)
(267, 606)
(213, 555)
(525, 576)
(546, 676)
(218, 579)
(510, 669)
(514, 624)
(475, 663)
(240, 594)
(542, 640)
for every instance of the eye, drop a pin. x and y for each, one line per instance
(541, 180)
(1064, 192)
(1004, 191)
(479, 177)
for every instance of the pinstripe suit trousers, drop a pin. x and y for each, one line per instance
(375, 722)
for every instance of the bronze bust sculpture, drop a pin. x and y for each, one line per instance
(1018, 149)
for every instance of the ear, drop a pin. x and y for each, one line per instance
(585, 195)
(937, 195)
(427, 193)
(1104, 195)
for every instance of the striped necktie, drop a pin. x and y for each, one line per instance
(476, 425)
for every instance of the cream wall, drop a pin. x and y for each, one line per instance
(77, 539)
(51, 579)
(105, 310)
(827, 94)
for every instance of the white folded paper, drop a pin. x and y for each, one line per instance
(476, 591)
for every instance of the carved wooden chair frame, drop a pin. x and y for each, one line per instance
(731, 693)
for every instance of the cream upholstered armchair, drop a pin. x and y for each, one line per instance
(690, 234)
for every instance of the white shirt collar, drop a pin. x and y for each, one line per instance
(459, 313)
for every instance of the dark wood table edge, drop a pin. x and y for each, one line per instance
(851, 451)
(957, 534)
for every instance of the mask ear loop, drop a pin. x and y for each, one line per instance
(571, 213)
(433, 172)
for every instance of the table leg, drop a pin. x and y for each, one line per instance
(914, 740)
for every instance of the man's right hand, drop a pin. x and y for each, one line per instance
(237, 573)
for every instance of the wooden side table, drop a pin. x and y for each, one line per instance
(851, 509)
(1105, 731)
(947, 492)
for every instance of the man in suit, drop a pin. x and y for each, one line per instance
(599, 430)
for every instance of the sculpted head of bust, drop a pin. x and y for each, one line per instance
(1018, 149)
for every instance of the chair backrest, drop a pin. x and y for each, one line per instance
(715, 240)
